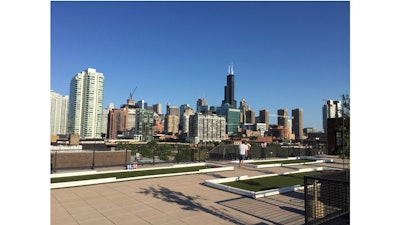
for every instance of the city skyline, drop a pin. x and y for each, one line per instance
(286, 55)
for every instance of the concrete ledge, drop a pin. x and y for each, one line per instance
(324, 160)
(82, 183)
(219, 184)
(248, 162)
(72, 174)
(218, 167)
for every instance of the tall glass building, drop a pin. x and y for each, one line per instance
(229, 91)
(86, 104)
(58, 113)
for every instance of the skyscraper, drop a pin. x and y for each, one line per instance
(283, 118)
(58, 113)
(229, 97)
(332, 109)
(264, 117)
(200, 102)
(86, 104)
(297, 123)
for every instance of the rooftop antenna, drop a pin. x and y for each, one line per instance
(230, 69)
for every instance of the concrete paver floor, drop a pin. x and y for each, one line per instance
(176, 200)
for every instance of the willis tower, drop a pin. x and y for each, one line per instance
(230, 89)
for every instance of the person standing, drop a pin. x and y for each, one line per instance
(243, 148)
(248, 149)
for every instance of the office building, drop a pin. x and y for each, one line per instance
(229, 96)
(331, 109)
(200, 102)
(283, 118)
(250, 116)
(309, 130)
(58, 113)
(157, 108)
(173, 110)
(264, 117)
(182, 110)
(141, 104)
(297, 124)
(86, 104)
(171, 124)
(185, 120)
(233, 123)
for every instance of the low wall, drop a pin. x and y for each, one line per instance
(88, 159)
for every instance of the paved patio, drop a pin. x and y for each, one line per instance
(177, 200)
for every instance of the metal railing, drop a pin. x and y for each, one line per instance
(230, 152)
(92, 156)
(327, 198)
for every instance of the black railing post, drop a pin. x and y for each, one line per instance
(154, 156)
(126, 157)
(177, 155)
(94, 151)
(54, 168)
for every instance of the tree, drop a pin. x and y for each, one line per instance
(345, 151)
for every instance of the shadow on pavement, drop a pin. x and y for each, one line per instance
(188, 202)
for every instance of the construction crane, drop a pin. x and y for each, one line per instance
(131, 94)
(288, 117)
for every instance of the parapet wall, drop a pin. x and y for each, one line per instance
(89, 159)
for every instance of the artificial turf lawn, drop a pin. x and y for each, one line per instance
(132, 173)
(273, 182)
(283, 161)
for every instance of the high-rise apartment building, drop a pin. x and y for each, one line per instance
(86, 104)
(106, 111)
(229, 97)
(58, 113)
(297, 123)
(144, 124)
(206, 128)
(331, 109)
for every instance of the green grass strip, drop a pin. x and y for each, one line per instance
(273, 182)
(126, 174)
(283, 161)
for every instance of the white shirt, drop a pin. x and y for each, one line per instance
(242, 149)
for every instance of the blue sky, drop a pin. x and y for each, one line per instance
(285, 55)
(31, 66)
